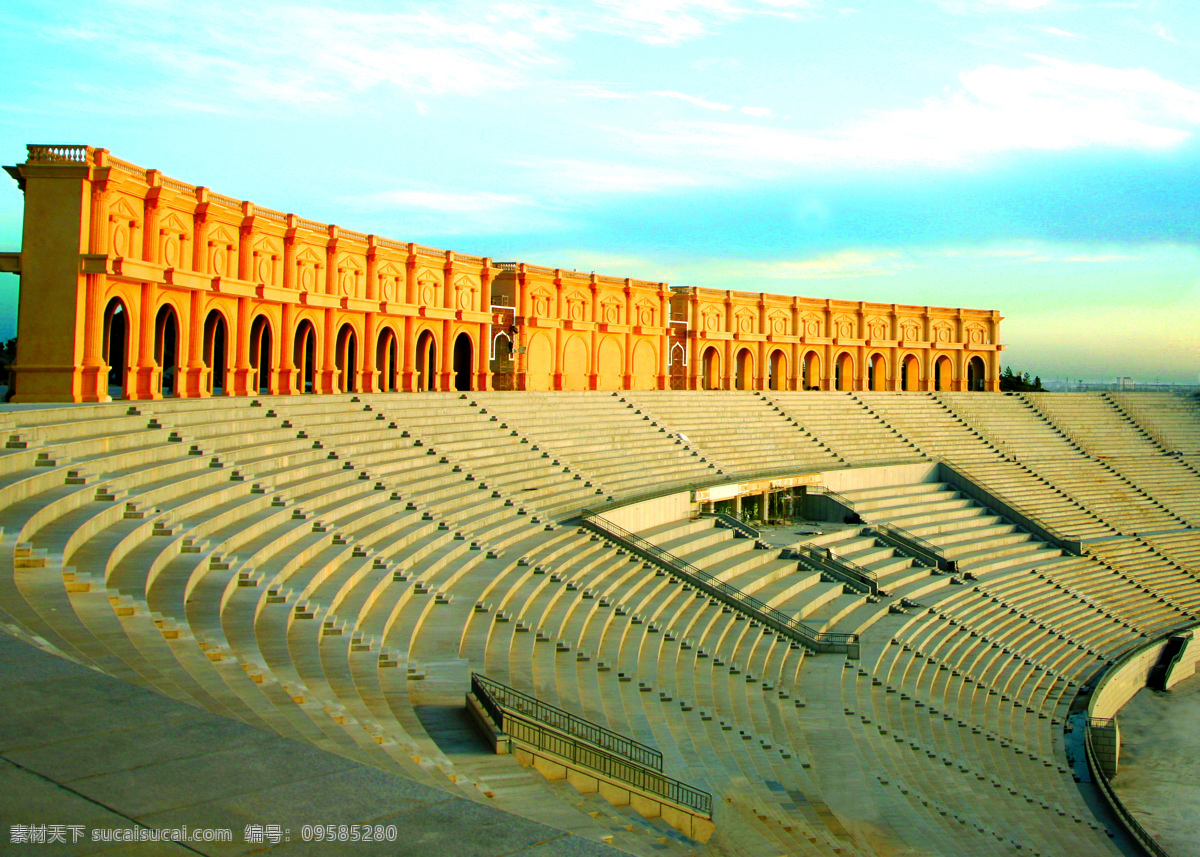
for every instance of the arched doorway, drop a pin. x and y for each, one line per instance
(347, 358)
(877, 372)
(711, 366)
(215, 348)
(166, 350)
(743, 370)
(116, 347)
(462, 362)
(976, 374)
(844, 371)
(426, 361)
(910, 373)
(304, 356)
(777, 371)
(943, 374)
(260, 356)
(810, 371)
(386, 352)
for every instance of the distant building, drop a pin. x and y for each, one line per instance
(138, 286)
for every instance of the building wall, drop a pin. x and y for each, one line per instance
(135, 285)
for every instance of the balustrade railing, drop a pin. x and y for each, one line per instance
(40, 153)
(818, 641)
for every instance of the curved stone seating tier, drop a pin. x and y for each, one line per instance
(1060, 457)
(332, 568)
(936, 430)
(748, 432)
(844, 424)
(617, 448)
(1173, 421)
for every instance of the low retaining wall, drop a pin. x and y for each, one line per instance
(684, 819)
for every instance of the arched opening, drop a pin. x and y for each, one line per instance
(711, 365)
(877, 372)
(386, 352)
(216, 354)
(910, 373)
(943, 374)
(462, 362)
(844, 371)
(777, 371)
(260, 356)
(346, 358)
(426, 361)
(744, 370)
(976, 374)
(116, 346)
(304, 356)
(810, 371)
(166, 349)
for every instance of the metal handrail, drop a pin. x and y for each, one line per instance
(733, 523)
(963, 473)
(818, 641)
(826, 560)
(550, 715)
(521, 727)
(914, 544)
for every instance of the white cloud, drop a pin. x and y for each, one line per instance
(1050, 105)
(964, 7)
(674, 21)
(759, 112)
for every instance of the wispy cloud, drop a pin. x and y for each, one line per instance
(693, 99)
(439, 212)
(565, 177)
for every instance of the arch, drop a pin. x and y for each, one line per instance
(777, 370)
(426, 361)
(609, 364)
(976, 374)
(304, 356)
(463, 355)
(116, 346)
(743, 370)
(216, 352)
(943, 374)
(877, 372)
(260, 356)
(539, 363)
(810, 371)
(910, 373)
(711, 367)
(645, 366)
(574, 364)
(843, 371)
(166, 349)
(346, 358)
(387, 352)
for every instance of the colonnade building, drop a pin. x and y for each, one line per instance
(138, 286)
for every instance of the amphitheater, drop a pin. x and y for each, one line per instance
(916, 652)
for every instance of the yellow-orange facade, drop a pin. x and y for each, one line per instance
(138, 286)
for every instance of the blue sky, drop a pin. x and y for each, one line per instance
(1039, 157)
